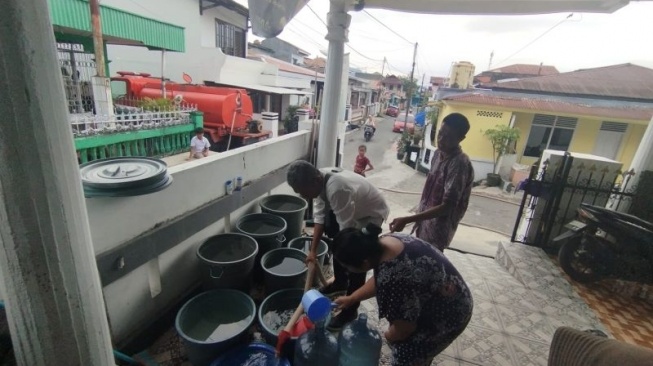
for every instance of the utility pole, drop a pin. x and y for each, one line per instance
(98, 43)
(381, 86)
(489, 66)
(421, 88)
(409, 92)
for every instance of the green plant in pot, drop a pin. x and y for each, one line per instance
(503, 139)
(402, 146)
(290, 123)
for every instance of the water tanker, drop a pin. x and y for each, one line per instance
(227, 111)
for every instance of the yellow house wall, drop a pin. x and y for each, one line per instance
(584, 138)
(630, 143)
(523, 124)
(477, 146)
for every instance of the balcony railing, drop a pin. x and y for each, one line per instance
(132, 131)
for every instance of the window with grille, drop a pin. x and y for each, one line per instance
(230, 39)
(549, 132)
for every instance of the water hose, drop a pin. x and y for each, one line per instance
(233, 118)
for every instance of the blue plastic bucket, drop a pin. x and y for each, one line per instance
(259, 354)
(316, 305)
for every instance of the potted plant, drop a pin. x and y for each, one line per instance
(290, 121)
(402, 146)
(503, 139)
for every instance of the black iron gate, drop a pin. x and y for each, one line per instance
(553, 192)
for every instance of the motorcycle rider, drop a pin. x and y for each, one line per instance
(370, 122)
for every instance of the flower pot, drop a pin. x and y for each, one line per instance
(493, 180)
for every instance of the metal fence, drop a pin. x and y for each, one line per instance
(130, 118)
(553, 192)
(77, 71)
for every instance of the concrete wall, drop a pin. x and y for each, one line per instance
(203, 61)
(130, 301)
(282, 49)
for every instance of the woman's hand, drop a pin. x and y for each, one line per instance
(345, 302)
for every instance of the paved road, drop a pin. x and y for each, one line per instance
(482, 212)
(380, 143)
(491, 214)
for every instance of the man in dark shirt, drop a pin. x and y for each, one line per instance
(448, 186)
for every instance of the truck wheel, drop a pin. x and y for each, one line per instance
(577, 259)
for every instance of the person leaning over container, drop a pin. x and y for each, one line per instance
(419, 292)
(342, 199)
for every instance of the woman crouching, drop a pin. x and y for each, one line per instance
(419, 292)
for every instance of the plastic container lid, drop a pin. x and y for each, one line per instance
(255, 354)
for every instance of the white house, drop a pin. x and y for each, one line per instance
(215, 52)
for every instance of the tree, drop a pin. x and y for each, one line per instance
(408, 85)
(502, 139)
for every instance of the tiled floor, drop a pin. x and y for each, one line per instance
(520, 299)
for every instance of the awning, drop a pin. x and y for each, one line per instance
(73, 17)
(262, 88)
(269, 17)
(497, 7)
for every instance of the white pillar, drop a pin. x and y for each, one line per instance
(102, 96)
(52, 289)
(305, 122)
(303, 114)
(338, 24)
(270, 122)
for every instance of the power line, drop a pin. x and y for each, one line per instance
(318, 17)
(390, 29)
(536, 38)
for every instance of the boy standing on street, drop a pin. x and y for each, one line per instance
(362, 162)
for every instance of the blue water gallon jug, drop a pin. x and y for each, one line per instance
(317, 347)
(359, 344)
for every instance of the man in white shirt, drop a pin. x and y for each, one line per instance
(199, 145)
(342, 199)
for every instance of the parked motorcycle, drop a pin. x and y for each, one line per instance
(603, 243)
(368, 132)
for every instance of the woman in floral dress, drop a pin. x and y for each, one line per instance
(419, 292)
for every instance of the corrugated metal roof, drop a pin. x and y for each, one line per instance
(626, 81)
(527, 69)
(555, 106)
(117, 25)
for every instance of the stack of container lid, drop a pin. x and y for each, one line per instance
(124, 177)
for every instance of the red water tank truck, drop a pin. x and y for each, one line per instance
(227, 111)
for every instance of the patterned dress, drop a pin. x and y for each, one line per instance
(420, 285)
(450, 180)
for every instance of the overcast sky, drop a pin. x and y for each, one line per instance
(581, 41)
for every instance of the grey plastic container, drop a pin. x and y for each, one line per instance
(199, 319)
(267, 229)
(290, 208)
(275, 281)
(227, 261)
(282, 300)
(304, 244)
